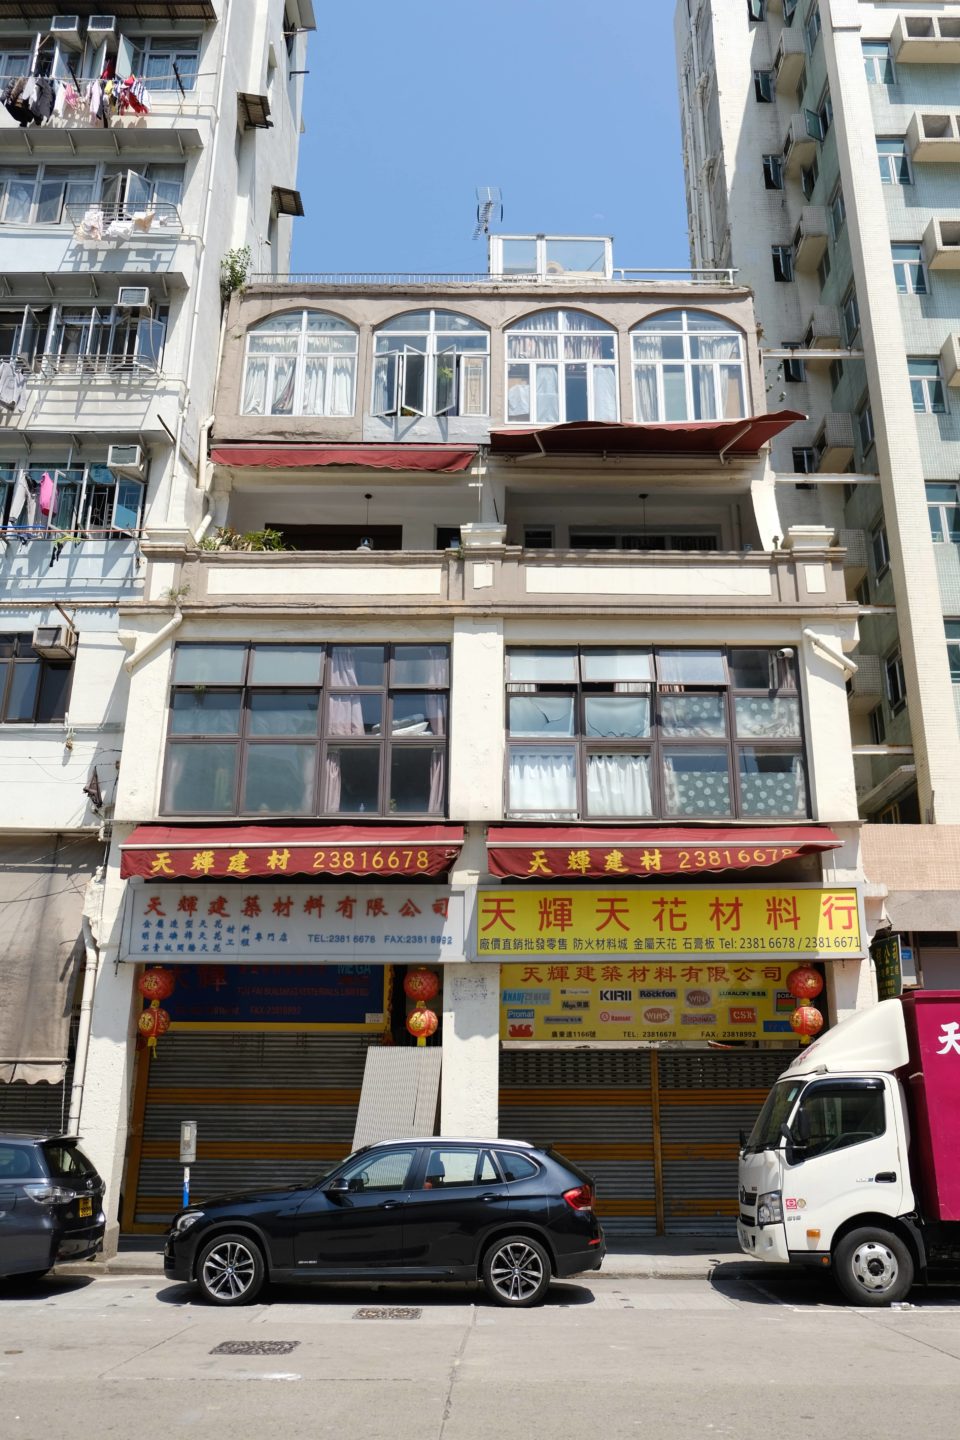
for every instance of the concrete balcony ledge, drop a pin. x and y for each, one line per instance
(509, 578)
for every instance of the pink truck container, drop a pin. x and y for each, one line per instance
(932, 1020)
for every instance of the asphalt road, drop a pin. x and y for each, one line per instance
(751, 1353)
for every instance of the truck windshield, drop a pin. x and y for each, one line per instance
(777, 1107)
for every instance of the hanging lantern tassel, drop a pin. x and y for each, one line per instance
(153, 1023)
(422, 1022)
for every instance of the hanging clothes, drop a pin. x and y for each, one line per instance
(48, 490)
(24, 501)
(41, 104)
(12, 387)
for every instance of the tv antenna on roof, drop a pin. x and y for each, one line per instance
(489, 207)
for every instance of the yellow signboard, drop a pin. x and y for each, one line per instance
(645, 1000)
(664, 922)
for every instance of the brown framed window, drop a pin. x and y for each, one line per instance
(662, 732)
(33, 691)
(307, 730)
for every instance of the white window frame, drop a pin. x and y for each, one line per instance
(690, 363)
(880, 549)
(784, 255)
(773, 167)
(875, 63)
(953, 647)
(413, 388)
(931, 386)
(140, 49)
(895, 680)
(300, 356)
(560, 334)
(850, 317)
(941, 506)
(865, 426)
(910, 269)
(541, 246)
(112, 341)
(65, 478)
(895, 165)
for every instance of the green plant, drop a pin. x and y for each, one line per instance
(234, 270)
(227, 538)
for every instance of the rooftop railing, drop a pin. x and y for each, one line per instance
(664, 275)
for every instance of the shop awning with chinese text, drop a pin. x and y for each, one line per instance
(226, 852)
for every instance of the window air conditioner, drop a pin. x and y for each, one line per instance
(55, 642)
(66, 29)
(125, 459)
(99, 27)
(133, 297)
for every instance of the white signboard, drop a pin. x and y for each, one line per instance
(315, 925)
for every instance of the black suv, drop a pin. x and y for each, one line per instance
(51, 1204)
(500, 1211)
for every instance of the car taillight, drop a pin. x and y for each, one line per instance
(581, 1198)
(45, 1194)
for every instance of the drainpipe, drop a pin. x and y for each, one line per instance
(91, 961)
(836, 656)
(194, 327)
(136, 659)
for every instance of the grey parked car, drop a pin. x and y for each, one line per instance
(51, 1204)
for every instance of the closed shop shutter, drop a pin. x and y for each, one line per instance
(594, 1107)
(39, 1109)
(706, 1099)
(271, 1110)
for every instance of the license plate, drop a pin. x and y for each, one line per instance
(85, 1207)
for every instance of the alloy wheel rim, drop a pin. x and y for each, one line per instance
(875, 1267)
(228, 1270)
(516, 1272)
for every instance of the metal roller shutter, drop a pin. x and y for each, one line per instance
(593, 1106)
(271, 1110)
(35, 1109)
(706, 1099)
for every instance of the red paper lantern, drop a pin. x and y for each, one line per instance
(153, 1023)
(421, 984)
(804, 983)
(422, 1022)
(156, 984)
(806, 1020)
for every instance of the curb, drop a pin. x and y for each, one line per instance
(140, 1270)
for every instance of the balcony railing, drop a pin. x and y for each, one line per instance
(664, 275)
(116, 367)
(97, 224)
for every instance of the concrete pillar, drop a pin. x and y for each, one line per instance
(833, 787)
(476, 720)
(109, 1083)
(470, 1079)
(850, 986)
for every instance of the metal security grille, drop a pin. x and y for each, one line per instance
(594, 1106)
(271, 1110)
(35, 1109)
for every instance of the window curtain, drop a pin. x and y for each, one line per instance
(618, 785)
(438, 782)
(284, 377)
(314, 385)
(345, 717)
(604, 392)
(768, 719)
(780, 792)
(255, 387)
(548, 395)
(532, 347)
(518, 392)
(340, 383)
(704, 386)
(646, 352)
(543, 782)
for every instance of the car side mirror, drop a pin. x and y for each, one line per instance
(338, 1187)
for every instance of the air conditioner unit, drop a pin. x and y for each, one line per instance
(66, 30)
(55, 642)
(99, 27)
(125, 459)
(133, 297)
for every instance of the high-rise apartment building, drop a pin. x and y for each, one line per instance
(138, 149)
(821, 145)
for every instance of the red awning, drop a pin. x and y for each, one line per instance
(689, 437)
(567, 852)
(220, 852)
(443, 459)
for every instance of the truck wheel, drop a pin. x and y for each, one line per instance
(873, 1267)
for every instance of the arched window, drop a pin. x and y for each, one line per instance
(431, 362)
(303, 362)
(687, 365)
(561, 365)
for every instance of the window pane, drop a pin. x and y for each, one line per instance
(356, 665)
(417, 780)
(540, 714)
(286, 665)
(519, 257)
(617, 665)
(693, 716)
(201, 779)
(215, 664)
(543, 781)
(772, 783)
(355, 715)
(751, 670)
(280, 779)
(352, 779)
(419, 714)
(421, 665)
(381, 1172)
(696, 782)
(774, 719)
(674, 393)
(205, 712)
(547, 667)
(616, 716)
(54, 689)
(618, 784)
(283, 713)
(575, 391)
(837, 1116)
(451, 1167)
(690, 667)
(22, 696)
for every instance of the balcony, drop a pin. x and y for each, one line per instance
(925, 40)
(789, 60)
(854, 542)
(865, 688)
(941, 244)
(933, 137)
(810, 239)
(61, 259)
(799, 146)
(950, 361)
(96, 224)
(84, 564)
(834, 443)
(824, 330)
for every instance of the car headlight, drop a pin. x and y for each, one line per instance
(183, 1222)
(769, 1208)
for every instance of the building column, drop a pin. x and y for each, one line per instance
(850, 987)
(108, 1084)
(470, 1079)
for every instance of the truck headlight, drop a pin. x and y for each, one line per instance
(769, 1208)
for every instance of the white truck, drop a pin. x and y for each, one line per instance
(853, 1164)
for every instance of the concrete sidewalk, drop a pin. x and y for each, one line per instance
(673, 1257)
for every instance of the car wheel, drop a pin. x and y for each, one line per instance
(230, 1270)
(873, 1267)
(516, 1271)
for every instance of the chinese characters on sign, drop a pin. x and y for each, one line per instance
(662, 922)
(887, 961)
(522, 862)
(185, 862)
(271, 997)
(277, 924)
(645, 1000)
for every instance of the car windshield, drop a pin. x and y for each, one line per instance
(777, 1108)
(64, 1158)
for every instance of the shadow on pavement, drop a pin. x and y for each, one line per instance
(562, 1295)
(46, 1287)
(754, 1283)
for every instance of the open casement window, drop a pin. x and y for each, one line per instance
(400, 383)
(445, 381)
(431, 362)
(22, 333)
(386, 370)
(94, 502)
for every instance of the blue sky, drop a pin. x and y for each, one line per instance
(570, 108)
